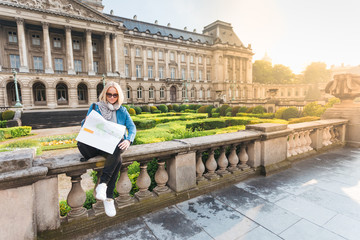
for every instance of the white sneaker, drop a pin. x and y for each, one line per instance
(109, 207)
(101, 192)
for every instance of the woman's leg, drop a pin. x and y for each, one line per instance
(112, 182)
(87, 151)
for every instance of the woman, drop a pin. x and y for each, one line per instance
(110, 108)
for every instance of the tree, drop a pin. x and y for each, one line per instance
(262, 72)
(316, 72)
(282, 74)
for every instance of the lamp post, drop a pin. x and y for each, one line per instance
(17, 104)
(103, 80)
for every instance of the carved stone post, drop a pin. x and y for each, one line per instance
(243, 157)
(211, 165)
(233, 159)
(143, 182)
(223, 162)
(303, 142)
(161, 178)
(123, 187)
(76, 196)
(200, 167)
(308, 140)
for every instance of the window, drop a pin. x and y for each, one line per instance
(149, 53)
(191, 58)
(76, 44)
(39, 92)
(172, 73)
(161, 55)
(200, 59)
(14, 61)
(96, 66)
(128, 92)
(207, 60)
(183, 93)
(208, 75)
(289, 93)
(200, 74)
(126, 53)
(192, 93)
(151, 93)
(38, 64)
(12, 37)
(208, 93)
(183, 57)
(172, 56)
(61, 93)
(59, 64)
(192, 74)
(183, 73)
(296, 93)
(94, 46)
(150, 71)
(138, 71)
(161, 72)
(126, 70)
(78, 65)
(162, 92)
(35, 39)
(57, 42)
(82, 93)
(200, 93)
(139, 92)
(137, 52)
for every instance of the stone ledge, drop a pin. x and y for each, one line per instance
(22, 177)
(16, 160)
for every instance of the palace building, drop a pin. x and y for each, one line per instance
(61, 51)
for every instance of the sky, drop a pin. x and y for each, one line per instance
(293, 33)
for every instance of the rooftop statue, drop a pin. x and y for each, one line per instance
(344, 86)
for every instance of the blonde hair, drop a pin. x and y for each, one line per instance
(102, 96)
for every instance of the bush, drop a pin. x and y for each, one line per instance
(303, 119)
(138, 110)
(258, 110)
(202, 109)
(144, 123)
(183, 107)
(153, 108)
(170, 107)
(279, 112)
(234, 111)
(13, 132)
(263, 116)
(235, 122)
(3, 124)
(127, 107)
(145, 108)
(223, 109)
(291, 112)
(215, 110)
(313, 109)
(227, 111)
(193, 106)
(215, 115)
(7, 115)
(206, 124)
(156, 111)
(64, 208)
(176, 108)
(190, 111)
(228, 114)
(163, 108)
(331, 102)
(242, 110)
(90, 199)
(132, 112)
(249, 110)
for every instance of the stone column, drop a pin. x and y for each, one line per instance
(69, 51)
(145, 72)
(89, 52)
(226, 73)
(167, 75)
(156, 59)
(240, 71)
(197, 68)
(234, 70)
(51, 97)
(121, 56)
(47, 49)
(205, 70)
(107, 52)
(249, 71)
(24, 66)
(92, 94)
(73, 97)
(132, 59)
(179, 64)
(114, 55)
(188, 66)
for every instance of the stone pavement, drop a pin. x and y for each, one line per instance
(318, 198)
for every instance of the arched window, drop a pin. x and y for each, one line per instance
(162, 92)
(209, 93)
(139, 92)
(183, 93)
(61, 94)
(151, 93)
(82, 93)
(39, 92)
(201, 93)
(128, 92)
(192, 93)
(10, 89)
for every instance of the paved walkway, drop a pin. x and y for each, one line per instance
(319, 198)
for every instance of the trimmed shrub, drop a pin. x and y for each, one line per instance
(193, 106)
(223, 109)
(206, 124)
(127, 107)
(227, 111)
(242, 110)
(249, 110)
(153, 108)
(132, 112)
(279, 112)
(7, 115)
(234, 111)
(228, 114)
(3, 124)
(313, 109)
(163, 108)
(144, 123)
(145, 108)
(291, 112)
(235, 122)
(190, 111)
(215, 115)
(64, 208)
(138, 110)
(90, 199)
(183, 107)
(156, 111)
(170, 107)
(13, 132)
(263, 116)
(258, 110)
(303, 119)
(202, 109)
(176, 108)
(331, 102)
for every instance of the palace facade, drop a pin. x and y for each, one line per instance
(61, 52)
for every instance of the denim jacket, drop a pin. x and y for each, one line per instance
(123, 118)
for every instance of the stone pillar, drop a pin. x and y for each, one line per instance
(51, 97)
(249, 71)
(114, 55)
(92, 94)
(226, 73)
(69, 51)
(145, 72)
(205, 71)
(156, 59)
(121, 56)
(24, 66)
(196, 68)
(47, 49)
(167, 75)
(73, 98)
(240, 71)
(234, 70)
(182, 171)
(107, 52)
(132, 59)
(89, 52)
(179, 64)
(188, 66)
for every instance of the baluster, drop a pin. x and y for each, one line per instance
(288, 154)
(325, 137)
(211, 166)
(333, 136)
(76, 197)
(292, 145)
(123, 187)
(329, 135)
(161, 178)
(336, 134)
(308, 140)
(233, 159)
(303, 142)
(143, 182)
(98, 206)
(243, 157)
(222, 162)
(200, 167)
(297, 143)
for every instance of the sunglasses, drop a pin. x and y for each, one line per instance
(109, 95)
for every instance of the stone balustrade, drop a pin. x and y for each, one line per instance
(186, 168)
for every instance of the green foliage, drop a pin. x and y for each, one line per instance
(279, 112)
(249, 110)
(133, 174)
(331, 102)
(215, 110)
(223, 109)
(90, 199)
(64, 208)
(163, 108)
(13, 132)
(242, 110)
(153, 108)
(138, 110)
(1, 116)
(313, 109)
(190, 111)
(262, 116)
(183, 107)
(144, 123)
(176, 108)
(264, 72)
(316, 72)
(156, 111)
(291, 112)
(203, 109)
(170, 107)
(3, 124)
(206, 124)
(303, 119)
(145, 108)
(282, 74)
(234, 111)
(235, 122)
(132, 112)
(127, 107)
(193, 106)
(228, 111)
(8, 115)
(215, 115)
(258, 110)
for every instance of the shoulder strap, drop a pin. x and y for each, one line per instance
(93, 106)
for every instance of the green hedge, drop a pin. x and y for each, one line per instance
(3, 124)
(263, 116)
(144, 123)
(13, 132)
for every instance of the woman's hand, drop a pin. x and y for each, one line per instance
(124, 145)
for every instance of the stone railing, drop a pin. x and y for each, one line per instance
(186, 168)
